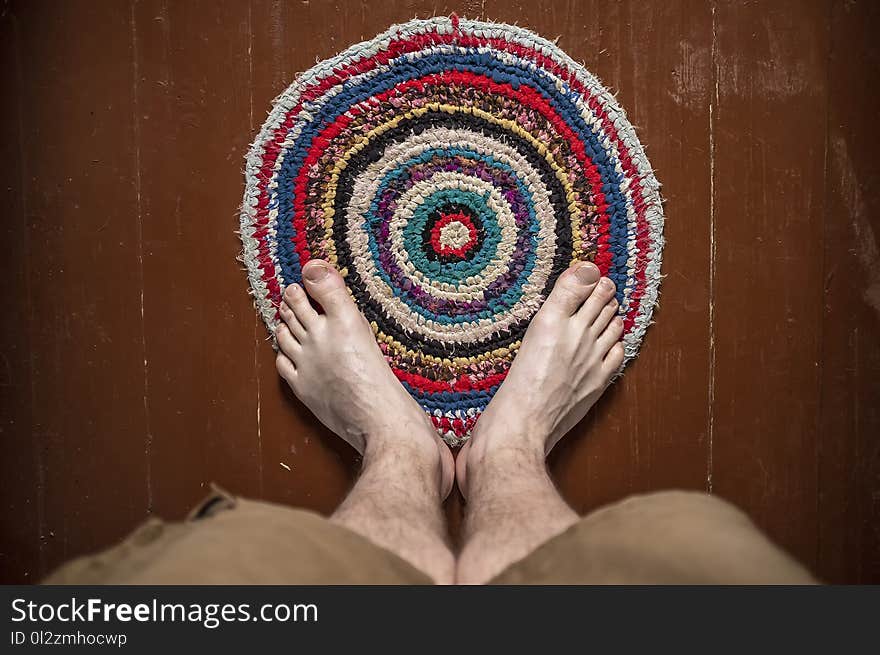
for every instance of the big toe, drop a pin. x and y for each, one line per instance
(573, 287)
(325, 285)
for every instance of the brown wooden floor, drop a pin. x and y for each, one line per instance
(134, 370)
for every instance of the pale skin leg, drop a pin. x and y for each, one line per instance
(568, 357)
(332, 363)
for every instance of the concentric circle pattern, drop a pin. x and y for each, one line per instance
(451, 170)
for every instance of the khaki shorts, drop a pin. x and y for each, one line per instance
(667, 537)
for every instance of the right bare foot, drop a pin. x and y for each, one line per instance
(568, 357)
(334, 366)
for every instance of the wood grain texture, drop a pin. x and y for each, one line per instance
(768, 135)
(134, 370)
(20, 484)
(849, 445)
(83, 324)
(193, 97)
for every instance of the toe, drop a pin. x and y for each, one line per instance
(572, 288)
(290, 318)
(325, 285)
(614, 359)
(285, 367)
(601, 294)
(610, 336)
(299, 303)
(609, 311)
(287, 342)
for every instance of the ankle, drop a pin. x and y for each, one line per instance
(404, 452)
(409, 461)
(493, 457)
(496, 441)
(512, 456)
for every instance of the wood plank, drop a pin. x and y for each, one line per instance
(193, 111)
(20, 486)
(849, 473)
(85, 325)
(769, 142)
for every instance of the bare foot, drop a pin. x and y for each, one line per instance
(334, 366)
(567, 358)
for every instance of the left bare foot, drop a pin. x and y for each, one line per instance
(334, 366)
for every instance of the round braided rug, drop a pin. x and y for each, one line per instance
(451, 170)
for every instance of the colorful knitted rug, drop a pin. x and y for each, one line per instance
(451, 170)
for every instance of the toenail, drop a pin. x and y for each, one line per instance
(606, 284)
(587, 274)
(316, 272)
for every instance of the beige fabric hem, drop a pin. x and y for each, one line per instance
(661, 538)
(230, 540)
(670, 537)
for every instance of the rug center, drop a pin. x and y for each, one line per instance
(454, 235)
